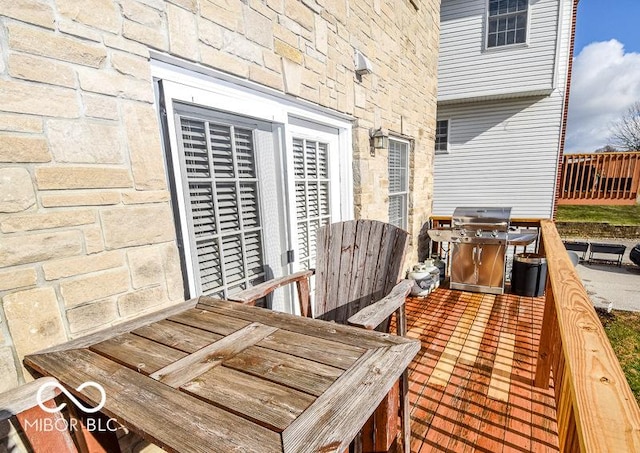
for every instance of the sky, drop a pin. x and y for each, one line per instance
(606, 71)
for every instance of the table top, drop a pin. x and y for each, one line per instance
(212, 375)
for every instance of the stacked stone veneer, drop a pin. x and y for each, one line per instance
(86, 230)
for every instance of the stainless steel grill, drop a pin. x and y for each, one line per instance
(479, 238)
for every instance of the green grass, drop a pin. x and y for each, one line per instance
(615, 215)
(623, 330)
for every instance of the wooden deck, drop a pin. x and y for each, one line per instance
(471, 385)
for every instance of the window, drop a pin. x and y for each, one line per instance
(442, 136)
(311, 179)
(398, 182)
(507, 22)
(253, 176)
(222, 192)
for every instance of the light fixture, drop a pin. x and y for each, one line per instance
(362, 64)
(379, 138)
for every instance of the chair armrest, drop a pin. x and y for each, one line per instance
(16, 401)
(373, 315)
(250, 295)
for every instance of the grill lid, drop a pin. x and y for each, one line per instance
(485, 218)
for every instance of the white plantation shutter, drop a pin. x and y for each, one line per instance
(398, 165)
(222, 194)
(312, 195)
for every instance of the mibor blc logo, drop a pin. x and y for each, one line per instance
(89, 410)
(61, 423)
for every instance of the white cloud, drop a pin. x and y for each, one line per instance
(605, 82)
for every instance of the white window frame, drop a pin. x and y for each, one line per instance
(315, 134)
(448, 145)
(203, 86)
(405, 193)
(506, 46)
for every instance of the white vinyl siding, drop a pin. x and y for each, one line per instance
(222, 194)
(398, 164)
(502, 154)
(468, 69)
(312, 195)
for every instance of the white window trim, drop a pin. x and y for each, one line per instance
(407, 174)
(486, 47)
(239, 97)
(448, 150)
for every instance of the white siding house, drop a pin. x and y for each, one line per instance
(503, 83)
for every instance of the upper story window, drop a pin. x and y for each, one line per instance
(442, 136)
(507, 22)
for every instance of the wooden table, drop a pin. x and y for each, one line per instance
(216, 376)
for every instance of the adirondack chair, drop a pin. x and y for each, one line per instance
(22, 404)
(357, 282)
(44, 431)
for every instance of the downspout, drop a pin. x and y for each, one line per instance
(565, 109)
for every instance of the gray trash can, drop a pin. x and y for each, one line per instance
(528, 275)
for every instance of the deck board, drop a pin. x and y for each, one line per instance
(471, 385)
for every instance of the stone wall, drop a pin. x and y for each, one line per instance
(86, 230)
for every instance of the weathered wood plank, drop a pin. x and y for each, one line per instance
(184, 424)
(24, 397)
(137, 353)
(219, 323)
(322, 268)
(363, 229)
(119, 329)
(311, 327)
(332, 250)
(251, 295)
(331, 353)
(178, 336)
(373, 315)
(343, 306)
(265, 403)
(295, 372)
(351, 401)
(193, 365)
(371, 262)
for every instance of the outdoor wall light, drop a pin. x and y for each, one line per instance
(379, 138)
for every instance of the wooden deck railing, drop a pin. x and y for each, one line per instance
(600, 178)
(596, 410)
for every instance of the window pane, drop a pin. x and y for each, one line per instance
(312, 203)
(398, 169)
(442, 135)
(507, 22)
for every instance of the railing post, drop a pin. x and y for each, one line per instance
(547, 339)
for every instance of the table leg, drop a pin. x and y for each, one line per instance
(46, 432)
(94, 433)
(381, 430)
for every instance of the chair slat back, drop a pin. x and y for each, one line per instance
(358, 262)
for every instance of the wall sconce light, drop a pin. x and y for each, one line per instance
(362, 64)
(379, 139)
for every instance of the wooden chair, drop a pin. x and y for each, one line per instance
(42, 429)
(52, 432)
(357, 275)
